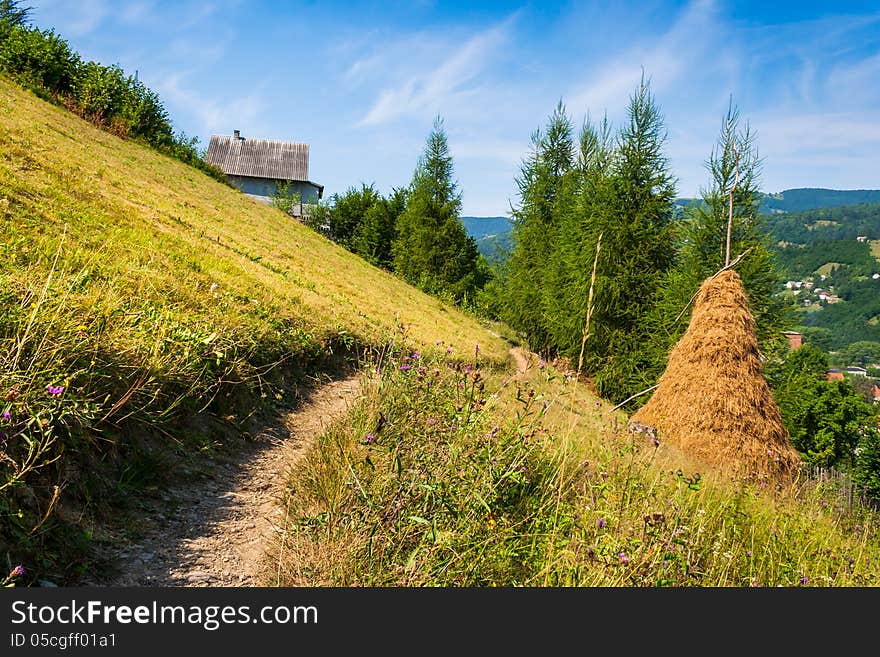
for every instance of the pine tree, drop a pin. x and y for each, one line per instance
(734, 166)
(12, 14)
(432, 249)
(546, 189)
(637, 249)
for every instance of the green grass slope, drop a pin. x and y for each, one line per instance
(138, 295)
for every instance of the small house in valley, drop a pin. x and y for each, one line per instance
(258, 166)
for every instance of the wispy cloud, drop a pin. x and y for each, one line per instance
(452, 81)
(666, 60)
(213, 114)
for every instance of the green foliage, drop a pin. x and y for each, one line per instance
(431, 248)
(12, 14)
(375, 233)
(808, 360)
(39, 58)
(616, 188)
(545, 189)
(284, 198)
(825, 419)
(827, 224)
(638, 247)
(866, 472)
(348, 210)
(702, 234)
(43, 61)
(862, 352)
(799, 262)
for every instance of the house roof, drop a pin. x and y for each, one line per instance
(260, 158)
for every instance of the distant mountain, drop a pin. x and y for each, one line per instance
(809, 198)
(855, 214)
(478, 227)
(806, 198)
(492, 234)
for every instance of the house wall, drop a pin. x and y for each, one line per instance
(262, 189)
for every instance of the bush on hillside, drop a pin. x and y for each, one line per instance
(44, 62)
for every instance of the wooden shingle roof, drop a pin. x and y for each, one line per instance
(260, 158)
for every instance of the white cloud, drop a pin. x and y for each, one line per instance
(448, 84)
(665, 61)
(212, 114)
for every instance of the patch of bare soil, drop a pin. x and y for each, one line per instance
(214, 530)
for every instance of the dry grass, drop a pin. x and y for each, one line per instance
(162, 230)
(712, 401)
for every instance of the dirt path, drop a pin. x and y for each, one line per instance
(213, 531)
(523, 358)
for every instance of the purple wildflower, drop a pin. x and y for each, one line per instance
(54, 390)
(623, 558)
(448, 350)
(18, 571)
(7, 415)
(369, 438)
(601, 523)
(749, 553)
(431, 421)
(656, 443)
(415, 355)
(804, 580)
(404, 368)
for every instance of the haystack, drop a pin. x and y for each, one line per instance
(713, 402)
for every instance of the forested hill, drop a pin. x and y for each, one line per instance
(845, 222)
(836, 249)
(799, 216)
(492, 234)
(807, 198)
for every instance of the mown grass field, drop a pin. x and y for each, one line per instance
(153, 296)
(449, 475)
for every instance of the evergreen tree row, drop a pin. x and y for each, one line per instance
(602, 271)
(416, 231)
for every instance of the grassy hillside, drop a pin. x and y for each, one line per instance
(139, 296)
(448, 475)
(150, 313)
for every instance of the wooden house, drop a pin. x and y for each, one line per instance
(258, 166)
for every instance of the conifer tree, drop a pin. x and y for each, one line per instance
(637, 249)
(734, 167)
(545, 190)
(568, 280)
(432, 249)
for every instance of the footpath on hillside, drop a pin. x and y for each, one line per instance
(213, 531)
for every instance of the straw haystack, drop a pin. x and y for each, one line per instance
(713, 402)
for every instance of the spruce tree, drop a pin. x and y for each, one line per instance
(432, 249)
(637, 249)
(545, 188)
(734, 166)
(584, 195)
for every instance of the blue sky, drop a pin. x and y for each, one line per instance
(361, 82)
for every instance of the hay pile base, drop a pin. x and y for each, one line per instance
(713, 402)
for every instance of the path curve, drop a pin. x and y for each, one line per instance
(222, 525)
